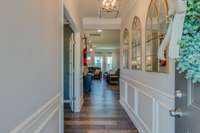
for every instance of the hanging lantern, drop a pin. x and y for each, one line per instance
(85, 57)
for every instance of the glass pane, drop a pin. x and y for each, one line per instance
(138, 49)
(136, 62)
(98, 61)
(149, 63)
(125, 58)
(126, 49)
(109, 63)
(156, 27)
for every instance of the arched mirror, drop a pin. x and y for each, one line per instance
(136, 50)
(126, 49)
(156, 28)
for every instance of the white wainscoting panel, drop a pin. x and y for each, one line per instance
(122, 89)
(126, 92)
(38, 120)
(145, 110)
(147, 107)
(164, 121)
(131, 97)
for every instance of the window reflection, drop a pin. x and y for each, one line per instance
(126, 49)
(136, 62)
(156, 27)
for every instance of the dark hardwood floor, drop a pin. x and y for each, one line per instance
(101, 113)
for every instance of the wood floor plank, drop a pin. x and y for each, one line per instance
(101, 113)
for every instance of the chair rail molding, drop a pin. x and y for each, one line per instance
(38, 120)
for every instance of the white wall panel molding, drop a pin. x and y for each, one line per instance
(122, 89)
(136, 102)
(135, 119)
(150, 110)
(162, 96)
(130, 108)
(134, 116)
(126, 92)
(146, 110)
(162, 81)
(38, 120)
(131, 96)
(162, 117)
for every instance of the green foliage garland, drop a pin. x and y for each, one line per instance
(189, 60)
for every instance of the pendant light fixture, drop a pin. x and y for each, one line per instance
(109, 7)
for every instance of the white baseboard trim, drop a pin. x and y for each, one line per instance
(134, 118)
(79, 104)
(38, 120)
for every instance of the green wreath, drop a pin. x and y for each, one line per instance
(189, 61)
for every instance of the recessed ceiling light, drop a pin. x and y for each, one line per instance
(99, 30)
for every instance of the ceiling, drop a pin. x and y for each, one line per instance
(108, 39)
(90, 8)
(90, 11)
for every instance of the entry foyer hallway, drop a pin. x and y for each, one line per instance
(101, 113)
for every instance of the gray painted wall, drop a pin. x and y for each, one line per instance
(52, 126)
(30, 38)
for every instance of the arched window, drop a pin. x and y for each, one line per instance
(126, 49)
(156, 27)
(136, 50)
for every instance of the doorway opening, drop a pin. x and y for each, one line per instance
(69, 66)
(102, 57)
(101, 110)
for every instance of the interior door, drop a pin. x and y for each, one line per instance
(187, 103)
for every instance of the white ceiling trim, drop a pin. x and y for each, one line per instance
(101, 23)
(72, 14)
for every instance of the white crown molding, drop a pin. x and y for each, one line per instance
(37, 121)
(101, 23)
